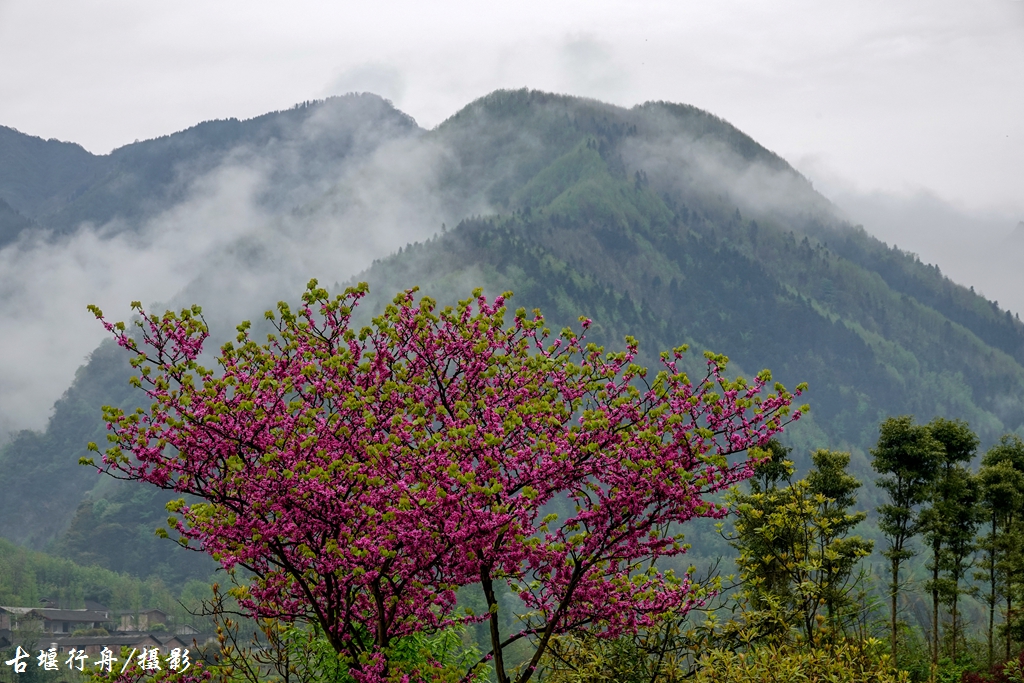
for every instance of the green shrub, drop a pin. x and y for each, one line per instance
(844, 662)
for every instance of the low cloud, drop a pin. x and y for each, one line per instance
(588, 67)
(240, 240)
(695, 163)
(976, 248)
(381, 79)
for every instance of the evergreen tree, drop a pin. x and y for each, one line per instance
(950, 520)
(764, 562)
(961, 527)
(795, 549)
(908, 457)
(1002, 491)
(833, 489)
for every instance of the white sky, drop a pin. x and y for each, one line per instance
(877, 95)
(908, 113)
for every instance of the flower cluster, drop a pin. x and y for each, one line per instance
(363, 475)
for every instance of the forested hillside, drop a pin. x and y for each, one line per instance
(61, 186)
(661, 221)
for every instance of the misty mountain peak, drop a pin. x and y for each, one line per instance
(661, 221)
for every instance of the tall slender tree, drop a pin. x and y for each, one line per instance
(1011, 567)
(1002, 492)
(907, 455)
(834, 489)
(950, 520)
(1002, 476)
(962, 527)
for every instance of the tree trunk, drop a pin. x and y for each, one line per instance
(935, 607)
(991, 591)
(495, 633)
(895, 590)
(1009, 619)
(956, 605)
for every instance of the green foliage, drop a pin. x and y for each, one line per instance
(270, 650)
(794, 543)
(1002, 499)
(651, 656)
(913, 653)
(908, 457)
(1002, 490)
(38, 175)
(27, 576)
(1010, 671)
(50, 502)
(949, 670)
(670, 649)
(105, 632)
(842, 662)
(119, 515)
(949, 523)
(12, 223)
(41, 485)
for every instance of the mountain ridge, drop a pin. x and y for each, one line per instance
(660, 221)
(141, 178)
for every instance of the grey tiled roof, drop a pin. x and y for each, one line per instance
(70, 614)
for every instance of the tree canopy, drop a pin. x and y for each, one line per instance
(364, 475)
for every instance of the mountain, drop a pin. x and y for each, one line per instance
(61, 185)
(661, 221)
(12, 223)
(38, 176)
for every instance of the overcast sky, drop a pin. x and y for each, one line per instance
(909, 96)
(908, 114)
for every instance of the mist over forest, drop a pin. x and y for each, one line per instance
(660, 221)
(245, 212)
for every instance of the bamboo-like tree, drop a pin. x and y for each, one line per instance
(961, 527)
(907, 455)
(950, 520)
(1002, 493)
(1002, 487)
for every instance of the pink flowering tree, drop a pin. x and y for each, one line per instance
(363, 476)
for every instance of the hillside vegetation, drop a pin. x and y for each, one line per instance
(661, 221)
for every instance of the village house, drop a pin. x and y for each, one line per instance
(143, 620)
(10, 616)
(92, 645)
(53, 627)
(68, 620)
(50, 620)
